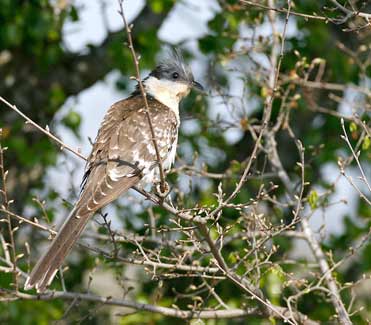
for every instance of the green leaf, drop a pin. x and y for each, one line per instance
(366, 143)
(57, 95)
(313, 199)
(273, 281)
(74, 15)
(232, 258)
(353, 127)
(72, 120)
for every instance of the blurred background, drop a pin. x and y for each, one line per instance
(63, 63)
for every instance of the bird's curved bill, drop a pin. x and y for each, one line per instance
(197, 86)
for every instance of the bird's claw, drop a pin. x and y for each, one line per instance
(162, 189)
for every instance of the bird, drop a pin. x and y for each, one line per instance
(123, 155)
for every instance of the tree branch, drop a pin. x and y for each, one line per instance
(166, 311)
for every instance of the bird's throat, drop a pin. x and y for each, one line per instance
(167, 92)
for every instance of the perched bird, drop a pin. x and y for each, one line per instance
(123, 155)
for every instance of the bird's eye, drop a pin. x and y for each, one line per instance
(175, 75)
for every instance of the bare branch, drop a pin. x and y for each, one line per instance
(163, 186)
(166, 311)
(6, 204)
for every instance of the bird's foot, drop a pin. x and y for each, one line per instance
(162, 189)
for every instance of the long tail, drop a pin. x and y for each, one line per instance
(48, 265)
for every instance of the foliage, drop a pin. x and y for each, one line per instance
(297, 107)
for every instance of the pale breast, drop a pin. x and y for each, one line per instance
(165, 126)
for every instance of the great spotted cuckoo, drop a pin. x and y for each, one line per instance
(123, 155)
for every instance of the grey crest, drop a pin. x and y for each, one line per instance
(173, 68)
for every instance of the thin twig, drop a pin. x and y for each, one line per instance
(32, 223)
(144, 95)
(283, 10)
(45, 131)
(331, 284)
(351, 13)
(5, 203)
(355, 155)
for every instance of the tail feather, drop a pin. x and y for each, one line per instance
(48, 265)
(104, 191)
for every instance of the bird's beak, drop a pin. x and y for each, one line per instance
(197, 86)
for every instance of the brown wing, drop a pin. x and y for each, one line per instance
(124, 152)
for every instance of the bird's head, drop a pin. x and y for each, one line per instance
(171, 79)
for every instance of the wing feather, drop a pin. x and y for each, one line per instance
(124, 152)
